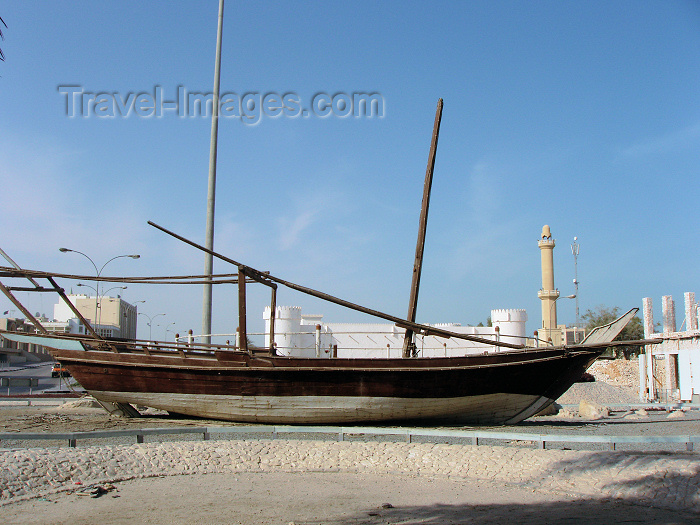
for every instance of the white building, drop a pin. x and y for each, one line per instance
(115, 317)
(303, 335)
(71, 326)
(679, 351)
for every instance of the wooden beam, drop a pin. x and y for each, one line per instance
(269, 279)
(242, 310)
(273, 314)
(19, 305)
(63, 296)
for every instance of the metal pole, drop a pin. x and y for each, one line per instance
(552, 318)
(211, 193)
(408, 344)
(95, 321)
(574, 251)
(150, 324)
(97, 285)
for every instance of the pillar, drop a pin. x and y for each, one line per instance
(668, 311)
(691, 313)
(647, 359)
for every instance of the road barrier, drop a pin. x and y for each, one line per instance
(8, 382)
(475, 437)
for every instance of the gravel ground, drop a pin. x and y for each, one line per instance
(601, 393)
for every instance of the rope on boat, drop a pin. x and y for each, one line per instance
(224, 278)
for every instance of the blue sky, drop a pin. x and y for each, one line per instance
(583, 116)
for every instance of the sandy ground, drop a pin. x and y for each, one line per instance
(333, 498)
(58, 419)
(328, 498)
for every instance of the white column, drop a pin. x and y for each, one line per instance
(646, 361)
(318, 340)
(668, 310)
(642, 377)
(691, 317)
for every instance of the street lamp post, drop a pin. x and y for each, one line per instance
(98, 272)
(551, 329)
(99, 297)
(167, 329)
(150, 324)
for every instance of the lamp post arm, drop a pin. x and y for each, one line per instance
(99, 272)
(86, 256)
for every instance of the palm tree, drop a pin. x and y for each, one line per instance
(2, 37)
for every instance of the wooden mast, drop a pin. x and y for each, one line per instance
(408, 343)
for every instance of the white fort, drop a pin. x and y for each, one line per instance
(303, 335)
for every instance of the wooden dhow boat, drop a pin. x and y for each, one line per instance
(246, 384)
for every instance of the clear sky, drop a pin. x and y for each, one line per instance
(581, 115)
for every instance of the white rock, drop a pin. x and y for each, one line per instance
(676, 414)
(83, 402)
(551, 410)
(589, 410)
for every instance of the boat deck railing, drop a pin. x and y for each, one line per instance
(387, 344)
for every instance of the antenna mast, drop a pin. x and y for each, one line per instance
(574, 250)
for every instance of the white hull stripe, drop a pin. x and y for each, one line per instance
(490, 408)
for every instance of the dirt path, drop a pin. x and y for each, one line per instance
(327, 498)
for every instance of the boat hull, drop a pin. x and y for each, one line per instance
(497, 389)
(483, 409)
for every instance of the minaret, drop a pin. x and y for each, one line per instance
(548, 293)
